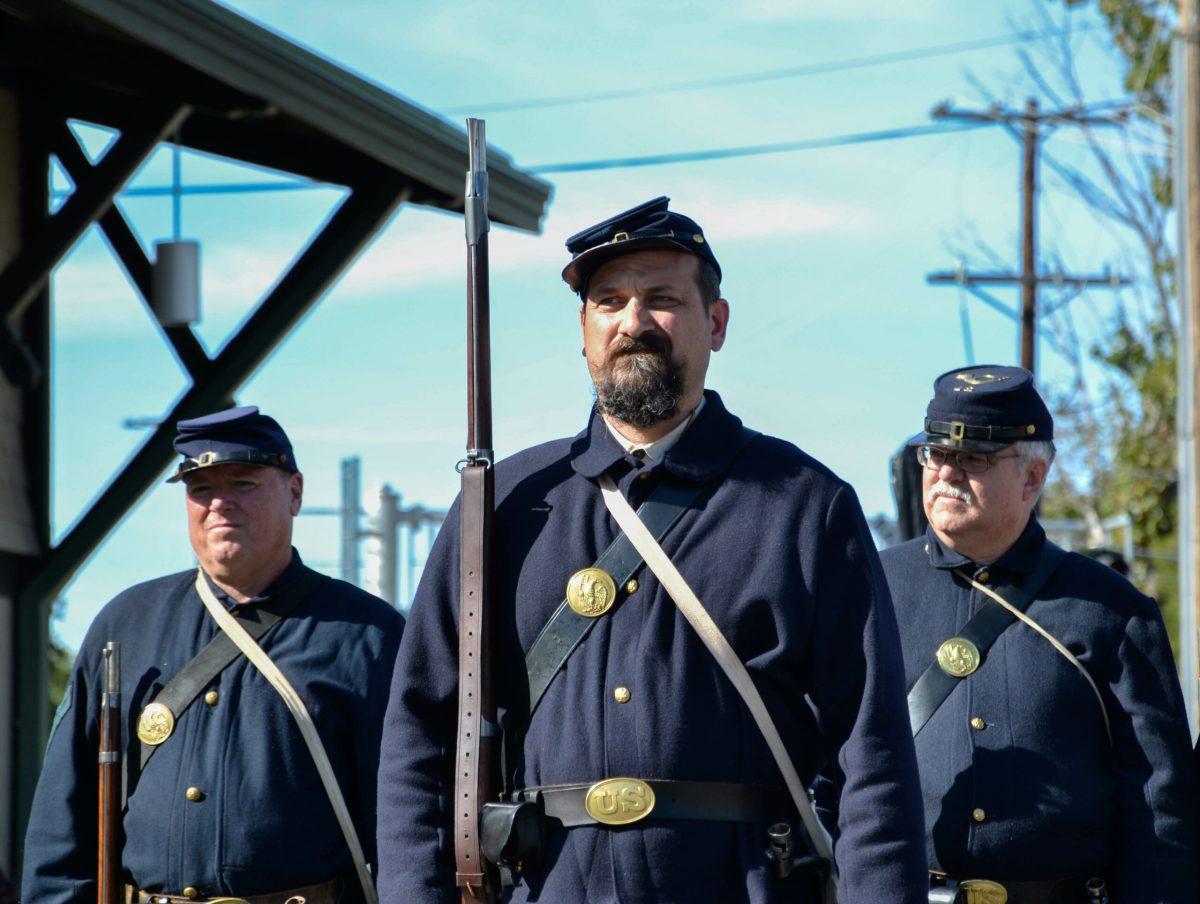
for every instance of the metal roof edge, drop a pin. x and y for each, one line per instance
(349, 108)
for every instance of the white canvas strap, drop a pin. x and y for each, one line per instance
(304, 722)
(688, 603)
(1054, 642)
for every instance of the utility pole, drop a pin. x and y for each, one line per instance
(1029, 127)
(351, 504)
(1186, 65)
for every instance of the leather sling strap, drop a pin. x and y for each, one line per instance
(1054, 642)
(219, 653)
(566, 628)
(304, 722)
(692, 609)
(934, 686)
(472, 759)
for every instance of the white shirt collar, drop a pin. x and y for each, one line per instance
(656, 450)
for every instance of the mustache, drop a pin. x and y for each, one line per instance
(648, 343)
(942, 488)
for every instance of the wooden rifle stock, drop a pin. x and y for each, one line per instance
(476, 773)
(110, 889)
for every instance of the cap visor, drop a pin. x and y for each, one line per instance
(579, 271)
(945, 442)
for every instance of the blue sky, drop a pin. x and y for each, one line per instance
(834, 337)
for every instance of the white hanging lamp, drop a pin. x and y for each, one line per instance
(175, 287)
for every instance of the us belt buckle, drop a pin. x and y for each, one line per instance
(619, 801)
(983, 891)
(957, 430)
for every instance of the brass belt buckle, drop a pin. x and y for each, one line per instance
(619, 801)
(984, 891)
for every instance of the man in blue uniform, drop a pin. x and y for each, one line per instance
(224, 798)
(776, 548)
(1049, 723)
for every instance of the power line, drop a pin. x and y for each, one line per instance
(766, 75)
(755, 150)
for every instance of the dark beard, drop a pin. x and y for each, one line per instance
(640, 385)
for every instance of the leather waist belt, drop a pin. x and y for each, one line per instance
(335, 891)
(624, 801)
(987, 891)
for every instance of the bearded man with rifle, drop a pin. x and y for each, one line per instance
(666, 683)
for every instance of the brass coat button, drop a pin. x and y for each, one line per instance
(978, 814)
(632, 586)
(190, 892)
(211, 698)
(643, 475)
(983, 576)
(195, 795)
(977, 723)
(621, 694)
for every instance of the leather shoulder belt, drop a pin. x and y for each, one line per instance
(157, 720)
(566, 628)
(959, 656)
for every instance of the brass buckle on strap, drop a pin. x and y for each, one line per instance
(957, 430)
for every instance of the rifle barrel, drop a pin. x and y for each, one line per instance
(479, 377)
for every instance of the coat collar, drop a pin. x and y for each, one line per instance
(278, 586)
(705, 451)
(1020, 558)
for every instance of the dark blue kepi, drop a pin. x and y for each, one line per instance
(233, 436)
(984, 409)
(642, 228)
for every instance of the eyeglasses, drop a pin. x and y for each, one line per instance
(933, 458)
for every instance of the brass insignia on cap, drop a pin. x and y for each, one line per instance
(981, 380)
(958, 657)
(619, 801)
(155, 724)
(984, 891)
(591, 592)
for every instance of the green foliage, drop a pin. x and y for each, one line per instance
(1118, 440)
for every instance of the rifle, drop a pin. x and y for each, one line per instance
(110, 890)
(476, 749)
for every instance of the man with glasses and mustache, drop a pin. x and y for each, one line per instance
(600, 676)
(1048, 719)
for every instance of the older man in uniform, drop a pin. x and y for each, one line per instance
(224, 798)
(773, 544)
(1049, 723)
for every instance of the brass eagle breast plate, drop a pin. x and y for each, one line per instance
(958, 657)
(591, 592)
(155, 724)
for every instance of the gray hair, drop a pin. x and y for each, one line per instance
(1034, 450)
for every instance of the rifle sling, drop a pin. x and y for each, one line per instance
(182, 690)
(566, 628)
(934, 686)
(475, 736)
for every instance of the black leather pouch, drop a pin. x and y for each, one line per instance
(513, 837)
